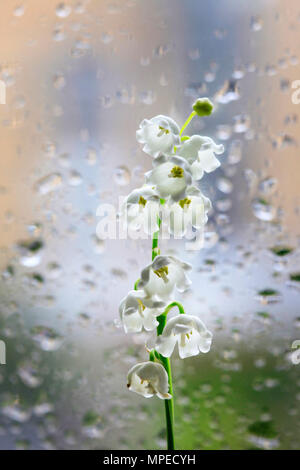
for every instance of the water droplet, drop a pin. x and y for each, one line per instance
(268, 186)
(62, 10)
(256, 23)
(194, 54)
(263, 210)
(229, 92)
(46, 338)
(19, 10)
(54, 270)
(122, 176)
(29, 374)
(16, 412)
(30, 252)
(75, 178)
(241, 123)
(281, 250)
(59, 81)
(224, 185)
(49, 183)
(59, 33)
(235, 152)
(269, 295)
(224, 132)
(106, 38)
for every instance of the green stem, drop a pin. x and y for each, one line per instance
(169, 405)
(152, 355)
(155, 240)
(193, 113)
(162, 319)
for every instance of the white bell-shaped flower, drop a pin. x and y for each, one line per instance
(138, 311)
(159, 135)
(200, 152)
(188, 212)
(140, 210)
(148, 379)
(189, 332)
(160, 278)
(170, 177)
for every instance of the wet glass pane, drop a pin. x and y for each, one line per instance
(79, 78)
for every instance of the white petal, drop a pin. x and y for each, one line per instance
(198, 215)
(161, 287)
(201, 149)
(149, 318)
(137, 386)
(163, 181)
(177, 220)
(208, 161)
(132, 323)
(159, 134)
(150, 216)
(197, 170)
(149, 378)
(188, 345)
(190, 332)
(165, 344)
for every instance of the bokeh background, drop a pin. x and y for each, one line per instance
(80, 76)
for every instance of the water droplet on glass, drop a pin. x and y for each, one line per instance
(263, 210)
(49, 183)
(46, 338)
(229, 92)
(268, 186)
(62, 10)
(122, 175)
(224, 185)
(256, 23)
(19, 10)
(30, 252)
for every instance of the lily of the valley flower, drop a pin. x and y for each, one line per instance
(148, 379)
(189, 332)
(141, 209)
(188, 212)
(170, 176)
(139, 311)
(164, 274)
(200, 152)
(159, 135)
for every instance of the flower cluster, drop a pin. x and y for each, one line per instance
(179, 162)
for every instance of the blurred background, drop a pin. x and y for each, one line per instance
(80, 76)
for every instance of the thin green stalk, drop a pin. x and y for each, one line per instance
(162, 320)
(193, 113)
(152, 355)
(155, 240)
(169, 405)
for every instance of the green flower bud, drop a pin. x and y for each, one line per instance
(203, 107)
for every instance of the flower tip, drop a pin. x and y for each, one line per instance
(203, 107)
(167, 396)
